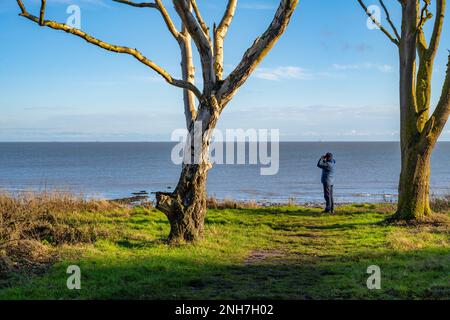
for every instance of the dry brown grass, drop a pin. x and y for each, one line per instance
(417, 234)
(386, 207)
(32, 223)
(433, 230)
(440, 204)
(441, 220)
(213, 203)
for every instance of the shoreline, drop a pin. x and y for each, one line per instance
(144, 199)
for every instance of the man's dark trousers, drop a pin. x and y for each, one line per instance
(328, 195)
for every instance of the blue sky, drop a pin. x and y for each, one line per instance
(328, 78)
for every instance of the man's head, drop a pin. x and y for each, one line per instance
(329, 156)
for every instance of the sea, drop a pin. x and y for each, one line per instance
(365, 171)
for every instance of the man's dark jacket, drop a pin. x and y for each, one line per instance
(327, 171)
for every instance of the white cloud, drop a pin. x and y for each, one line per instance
(297, 73)
(346, 66)
(384, 68)
(282, 73)
(294, 73)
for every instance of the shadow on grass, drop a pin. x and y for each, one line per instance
(343, 226)
(133, 244)
(417, 274)
(270, 211)
(307, 212)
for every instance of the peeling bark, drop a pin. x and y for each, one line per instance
(188, 72)
(219, 37)
(186, 206)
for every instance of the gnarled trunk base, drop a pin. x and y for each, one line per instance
(414, 186)
(186, 206)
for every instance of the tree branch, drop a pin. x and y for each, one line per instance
(408, 57)
(183, 8)
(187, 66)
(188, 72)
(42, 13)
(158, 5)
(114, 48)
(440, 115)
(22, 7)
(425, 15)
(426, 57)
(255, 54)
(138, 5)
(219, 37)
(437, 29)
(423, 81)
(378, 24)
(170, 25)
(388, 18)
(200, 19)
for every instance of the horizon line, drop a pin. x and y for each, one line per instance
(169, 141)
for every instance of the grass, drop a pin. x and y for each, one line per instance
(249, 253)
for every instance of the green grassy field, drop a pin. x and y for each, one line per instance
(274, 253)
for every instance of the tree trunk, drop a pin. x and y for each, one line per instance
(186, 206)
(418, 131)
(414, 185)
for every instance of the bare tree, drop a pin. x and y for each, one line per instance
(185, 207)
(419, 131)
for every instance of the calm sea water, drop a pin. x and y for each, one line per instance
(366, 171)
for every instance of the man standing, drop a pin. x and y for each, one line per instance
(327, 164)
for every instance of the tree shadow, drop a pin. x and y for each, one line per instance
(270, 211)
(342, 226)
(166, 277)
(139, 244)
